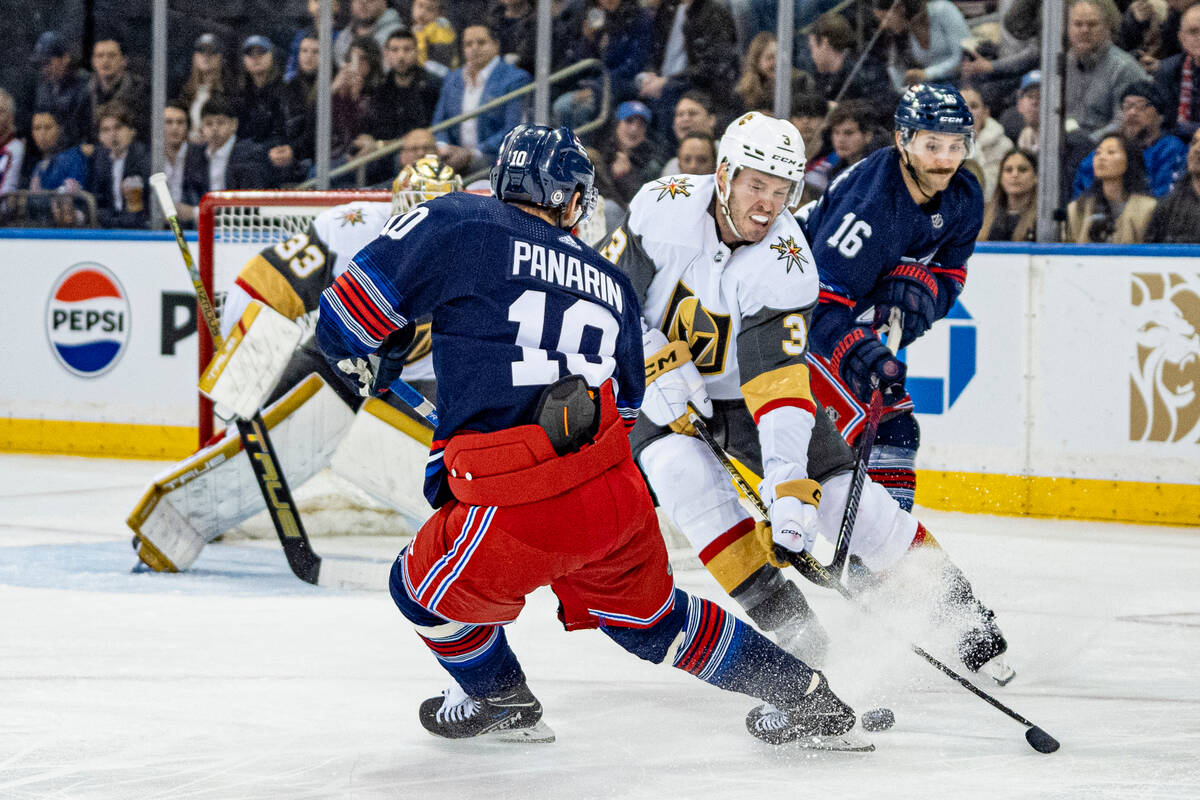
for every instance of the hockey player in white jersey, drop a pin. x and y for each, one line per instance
(728, 285)
(311, 411)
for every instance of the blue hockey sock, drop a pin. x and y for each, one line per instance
(476, 656)
(701, 638)
(893, 458)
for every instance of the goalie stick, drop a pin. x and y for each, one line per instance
(285, 516)
(812, 569)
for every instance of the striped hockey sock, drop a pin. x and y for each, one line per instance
(476, 656)
(893, 468)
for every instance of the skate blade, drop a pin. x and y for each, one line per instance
(540, 733)
(1000, 671)
(846, 743)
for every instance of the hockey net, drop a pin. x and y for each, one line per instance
(232, 228)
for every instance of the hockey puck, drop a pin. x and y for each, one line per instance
(877, 719)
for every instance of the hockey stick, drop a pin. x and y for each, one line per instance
(808, 566)
(866, 441)
(253, 432)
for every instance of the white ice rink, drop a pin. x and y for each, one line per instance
(238, 681)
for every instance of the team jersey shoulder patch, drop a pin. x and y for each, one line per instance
(791, 253)
(351, 216)
(673, 186)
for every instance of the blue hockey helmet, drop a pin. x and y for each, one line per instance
(544, 167)
(936, 107)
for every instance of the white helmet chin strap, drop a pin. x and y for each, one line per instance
(723, 198)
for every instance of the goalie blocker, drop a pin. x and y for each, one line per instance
(250, 361)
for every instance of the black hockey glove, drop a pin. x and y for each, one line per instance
(392, 354)
(912, 289)
(865, 362)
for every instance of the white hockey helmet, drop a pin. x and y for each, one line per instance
(421, 181)
(769, 145)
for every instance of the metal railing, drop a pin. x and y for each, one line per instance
(386, 149)
(29, 209)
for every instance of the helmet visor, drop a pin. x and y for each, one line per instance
(936, 146)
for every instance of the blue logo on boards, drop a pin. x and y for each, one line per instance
(936, 395)
(87, 320)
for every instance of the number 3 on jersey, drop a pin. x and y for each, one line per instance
(849, 236)
(536, 367)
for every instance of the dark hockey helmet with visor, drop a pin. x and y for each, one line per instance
(545, 166)
(937, 108)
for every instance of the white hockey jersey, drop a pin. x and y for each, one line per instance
(694, 288)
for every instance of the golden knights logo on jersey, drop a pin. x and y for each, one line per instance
(790, 252)
(353, 216)
(676, 186)
(706, 333)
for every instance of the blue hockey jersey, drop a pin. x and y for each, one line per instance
(516, 305)
(867, 223)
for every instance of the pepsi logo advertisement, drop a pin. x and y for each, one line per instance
(88, 320)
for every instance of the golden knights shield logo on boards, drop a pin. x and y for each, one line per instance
(1164, 384)
(706, 333)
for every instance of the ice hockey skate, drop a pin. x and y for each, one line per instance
(821, 721)
(984, 645)
(514, 715)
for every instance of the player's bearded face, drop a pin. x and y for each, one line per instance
(755, 200)
(936, 157)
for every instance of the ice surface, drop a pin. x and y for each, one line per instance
(238, 681)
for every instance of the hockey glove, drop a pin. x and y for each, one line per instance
(672, 382)
(358, 374)
(794, 520)
(864, 363)
(393, 353)
(912, 289)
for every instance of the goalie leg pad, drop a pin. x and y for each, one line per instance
(214, 489)
(384, 453)
(883, 531)
(251, 359)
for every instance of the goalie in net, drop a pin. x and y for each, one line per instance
(315, 419)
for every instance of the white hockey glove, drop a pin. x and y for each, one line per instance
(250, 361)
(672, 382)
(358, 371)
(794, 520)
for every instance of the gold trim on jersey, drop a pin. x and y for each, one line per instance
(422, 343)
(272, 286)
(707, 334)
(787, 382)
(736, 562)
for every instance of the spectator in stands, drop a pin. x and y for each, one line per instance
(1177, 218)
(407, 96)
(618, 33)
(112, 82)
(1150, 30)
(756, 86)
(694, 46)
(416, 144)
(693, 113)
(997, 73)
(176, 124)
(991, 144)
(514, 25)
(12, 149)
(628, 159)
(293, 158)
(1178, 78)
(367, 18)
(1141, 119)
(1075, 143)
(226, 161)
(60, 166)
(830, 44)
(292, 68)
(62, 88)
(1118, 206)
(852, 131)
(923, 40)
(119, 178)
(473, 145)
(808, 115)
(258, 98)
(1098, 71)
(435, 38)
(353, 92)
(207, 78)
(697, 154)
(1011, 211)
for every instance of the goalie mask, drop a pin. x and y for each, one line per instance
(771, 146)
(426, 179)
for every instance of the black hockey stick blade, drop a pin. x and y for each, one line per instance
(281, 507)
(1040, 740)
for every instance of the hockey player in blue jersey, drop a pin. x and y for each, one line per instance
(537, 349)
(894, 231)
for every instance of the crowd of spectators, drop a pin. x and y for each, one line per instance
(242, 112)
